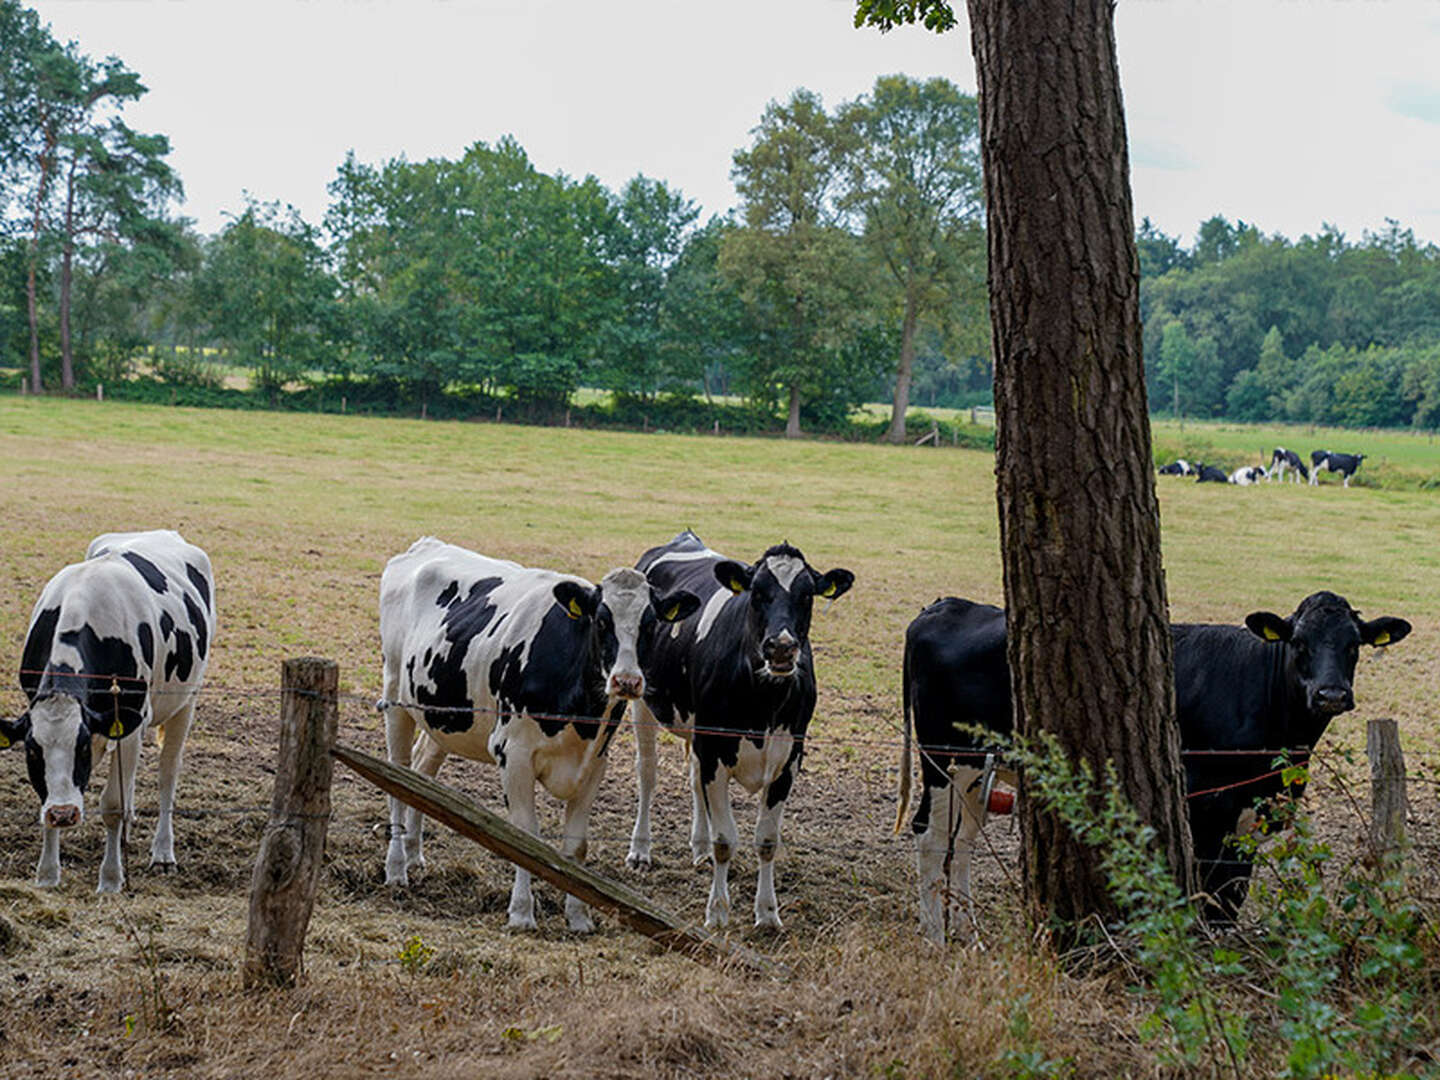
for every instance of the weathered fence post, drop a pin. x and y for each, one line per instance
(99, 391)
(1388, 804)
(287, 870)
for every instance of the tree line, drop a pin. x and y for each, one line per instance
(852, 270)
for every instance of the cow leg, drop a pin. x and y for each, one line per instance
(47, 870)
(426, 761)
(517, 780)
(700, 853)
(948, 838)
(779, 748)
(171, 736)
(767, 839)
(399, 738)
(116, 802)
(643, 723)
(574, 846)
(723, 838)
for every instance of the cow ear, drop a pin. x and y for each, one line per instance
(1268, 626)
(14, 731)
(733, 575)
(575, 600)
(1383, 631)
(680, 604)
(834, 584)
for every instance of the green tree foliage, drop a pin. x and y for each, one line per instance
(77, 174)
(265, 283)
(801, 274)
(914, 181)
(649, 235)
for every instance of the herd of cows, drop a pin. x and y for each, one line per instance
(534, 670)
(1280, 461)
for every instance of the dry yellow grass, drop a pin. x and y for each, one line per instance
(299, 513)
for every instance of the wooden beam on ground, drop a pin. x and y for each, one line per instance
(495, 833)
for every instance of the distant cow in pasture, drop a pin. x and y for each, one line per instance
(524, 668)
(1283, 459)
(1329, 461)
(1272, 685)
(737, 680)
(1247, 475)
(1178, 467)
(117, 644)
(1209, 474)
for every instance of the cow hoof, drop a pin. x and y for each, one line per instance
(397, 881)
(522, 923)
(769, 921)
(164, 866)
(48, 881)
(581, 924)
(703, 859)
(110, 886)
(639, 862)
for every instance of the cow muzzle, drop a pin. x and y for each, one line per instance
(628, 687)
(780, 655)
(62, 817)
(1332, 700)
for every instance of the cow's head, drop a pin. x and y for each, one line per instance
(56, 737)
(1323, 639)
(620, 612)
(782, 588)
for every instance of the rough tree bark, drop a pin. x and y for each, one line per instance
(1089, 642)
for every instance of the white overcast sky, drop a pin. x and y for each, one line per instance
(1283, 113)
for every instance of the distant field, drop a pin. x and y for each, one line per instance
(299, 514)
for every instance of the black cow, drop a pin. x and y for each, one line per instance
(1329, 461)
(1283, 459)
(1273, 684)
(117, 644)
(526, 668)
(738, 681)
(1209, 474)
(1178, 467)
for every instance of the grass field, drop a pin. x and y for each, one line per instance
(299, 513)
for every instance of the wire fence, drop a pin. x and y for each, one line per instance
(1271, 762)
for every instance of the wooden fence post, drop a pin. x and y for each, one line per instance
(1387, 786)
(287, 870)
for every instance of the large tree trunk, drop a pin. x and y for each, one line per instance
(792, 419)
(46, 162)
(1089, 642)
(903, 373)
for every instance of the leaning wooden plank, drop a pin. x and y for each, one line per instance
(497, 834)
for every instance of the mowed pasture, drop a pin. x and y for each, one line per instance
(299, 514)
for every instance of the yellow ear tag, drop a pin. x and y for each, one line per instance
(4, 743)
(736, 586)
(1270, 634)
(1382, 638)
(672, 612)
(117, 730)
(575, 610)
(828, 591)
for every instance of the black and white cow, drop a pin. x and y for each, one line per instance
(738, 681)
(529, 669)
(1273, 684)
(1210, 474)
(1178, 467)
(1283, 459)
(117, 644)
(1247, 475)
(1329, 461)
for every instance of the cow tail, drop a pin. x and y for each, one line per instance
(904, 801)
